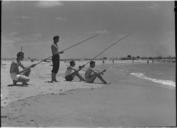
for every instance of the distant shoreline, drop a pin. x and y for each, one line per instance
(109, 60)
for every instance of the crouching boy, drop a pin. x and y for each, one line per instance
(15, 74)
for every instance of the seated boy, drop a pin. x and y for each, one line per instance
(91, 75)
(16, 76)
(71, 72)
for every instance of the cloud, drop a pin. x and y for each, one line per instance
(37, 35)
(6, 40)
(102, 32)
(12, 34)
(60, 19)
(48, 4)
(21, 19)
(5, 2)
(25, 17)
(154, 6)
(33, 38)
(11, 38)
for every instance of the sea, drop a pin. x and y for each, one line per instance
(161, 73)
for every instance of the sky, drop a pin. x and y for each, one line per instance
(32, 25)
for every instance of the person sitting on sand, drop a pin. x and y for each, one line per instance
(14, 70)
(91, 74)
(71, 72)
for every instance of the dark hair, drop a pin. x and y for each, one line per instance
(56, 37)
(72, 62)
(19, 54)
(92, 62)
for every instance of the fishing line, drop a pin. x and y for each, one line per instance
(80, 68)
(82, 41)
(108, 48)
(71, 46)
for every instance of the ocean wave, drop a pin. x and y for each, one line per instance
(168, 83)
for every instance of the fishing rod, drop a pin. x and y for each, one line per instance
(80, 67)
(69, 47)
(80, 42)
(107, 48)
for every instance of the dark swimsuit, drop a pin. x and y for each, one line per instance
(56, 63)
(55, 60)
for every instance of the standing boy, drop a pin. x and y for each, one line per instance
(55, 58)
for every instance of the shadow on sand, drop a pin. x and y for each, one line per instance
(18, 85)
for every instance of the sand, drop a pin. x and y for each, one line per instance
(127, 101)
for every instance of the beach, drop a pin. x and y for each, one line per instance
(139, 95)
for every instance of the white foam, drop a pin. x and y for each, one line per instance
(168, 83)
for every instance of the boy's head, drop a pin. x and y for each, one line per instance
(56, 38)
(92, 64)
(72, 63)
(20, 55)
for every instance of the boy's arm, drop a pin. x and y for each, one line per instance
(77, 70)
(12, 67)
(55, 51)
(27, 68)
(20, 64)
(73, 69)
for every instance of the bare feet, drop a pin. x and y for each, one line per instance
(14, 82)
(24, 83)
(55, 81)
(52, 81)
